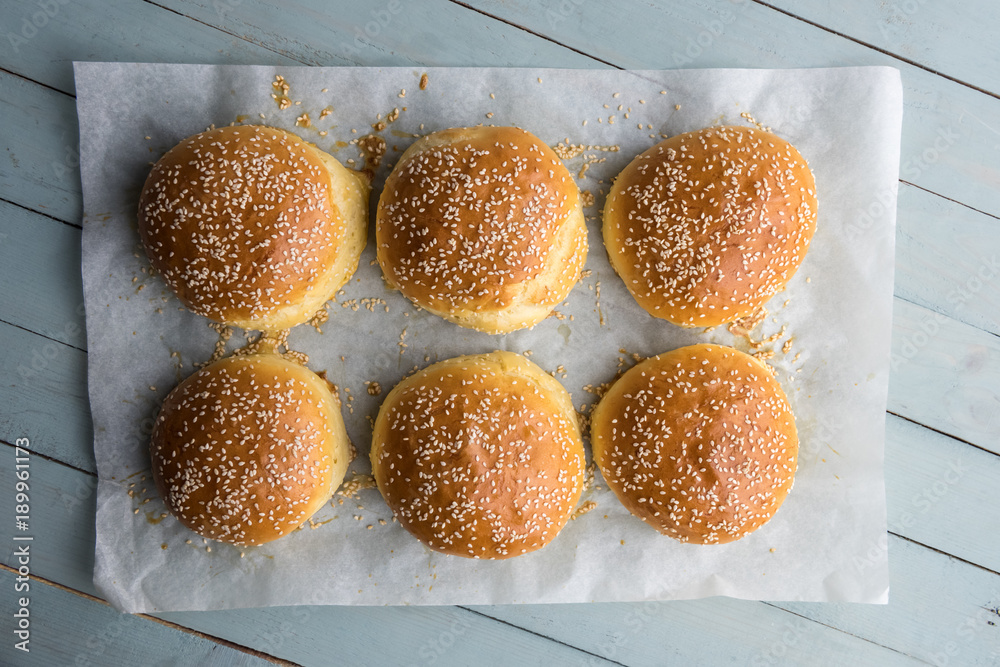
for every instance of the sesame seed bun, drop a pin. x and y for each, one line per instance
(705, 227)
(479, 456)
(252, 226)
(482, 226)
(248, 448)
(699, 443)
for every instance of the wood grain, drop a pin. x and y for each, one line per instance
(69, 629)
(946, 38)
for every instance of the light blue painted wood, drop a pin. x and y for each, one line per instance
(741, 33)
(956, 39)
(425, 33)
(948, 258)
(44, 396)
(121, 30)
(958, 602)
(938, 492)
(67, 629)
(40, 269)
(963, 401)
(934, 601)
(40, 166)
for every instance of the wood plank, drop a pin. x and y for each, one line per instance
(942, 611)
(122, 31)
(68, 629)
(950, 38)
(44, 396)
(948, 258)
(934, 487)
(377, 32)
(41, 168)
(944, 375)
(938, 605)
(950, 144)
(40, 269)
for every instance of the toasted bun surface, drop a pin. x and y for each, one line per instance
(704, 227)
(248, 448)
(479, 456)
(251, 226)
(699, 443)
(482, 226)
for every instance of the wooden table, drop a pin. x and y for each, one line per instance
(942, 447)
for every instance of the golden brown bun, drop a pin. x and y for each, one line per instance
(251, 226)
(699, 443)
(482, 226)
(479, 456)
(248, 448)
(706, 226)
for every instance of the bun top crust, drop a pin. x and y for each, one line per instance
(248, 448)
(479, 456)
(477, 221)
(699, 442)
(705, 227)
(242, 223)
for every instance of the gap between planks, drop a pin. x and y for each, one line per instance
(954, 201)
(538, 634)
(41, 335)
(231, 34)
(851, 634)
(900, 58)
(762, 4)
(939, 432)
(44, 214)
(170, 624)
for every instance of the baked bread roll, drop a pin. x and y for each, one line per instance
(252, 226)
(482, 226)
(479, 456)
(705, 227)
(248, 448)
(699, 443)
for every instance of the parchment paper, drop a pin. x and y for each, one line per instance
(826, 542)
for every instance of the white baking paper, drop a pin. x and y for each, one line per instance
(826, 542)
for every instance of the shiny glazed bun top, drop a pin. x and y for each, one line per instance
(699, 442)
(479, 456)
(706, 226)
(252, 226)
(248, 448)
(482, 226)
